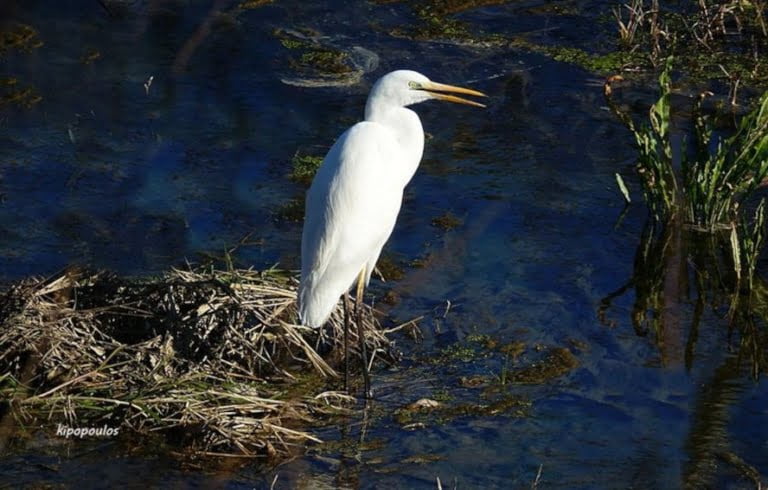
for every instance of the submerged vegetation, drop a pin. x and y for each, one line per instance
(304, 168)
(24, 38)
(314, 62)
(19, 37)
(208, 357)
(506, 366)
(707, 226)
(13, 93)
(716, 176)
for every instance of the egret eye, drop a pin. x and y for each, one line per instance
(414, 85)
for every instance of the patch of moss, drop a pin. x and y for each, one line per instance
(19, 36)
(436, 24)
(302, 384)
(304, 167)
(557, 362)
(390, 269)
(702, 67)
(477, 345)
(457, 352)
(420, 262)
(291, 211)
(556, 8)
(422, 459)
(311, 56)
(485, 341)
(578, 344)
(597, 63)
(418, 414)
(508, 405)
(445, 7)
(478, 338)
(252, 4)
(293, 43)
(473, 381)
(90, 57)
(325, 60)
(13, 94)
(446, 221)
(442, 396)
(391, 298)
(349, 445)
(409, 414)
(513, 349)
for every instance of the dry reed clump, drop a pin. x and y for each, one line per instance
(211, 356)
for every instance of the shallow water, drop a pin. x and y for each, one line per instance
(107, 173)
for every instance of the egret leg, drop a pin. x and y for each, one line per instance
(347, 310)
(360, 332)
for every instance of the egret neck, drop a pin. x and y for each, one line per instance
(407, 128)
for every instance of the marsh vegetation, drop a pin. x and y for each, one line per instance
(707, 226)
(209, 359)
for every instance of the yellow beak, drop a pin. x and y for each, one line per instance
(442, 91)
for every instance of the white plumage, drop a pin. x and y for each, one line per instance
(355, 197)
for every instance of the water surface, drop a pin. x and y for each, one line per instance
(106, 172)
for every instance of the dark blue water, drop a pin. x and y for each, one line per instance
(107, 173)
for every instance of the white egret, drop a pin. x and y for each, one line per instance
(355, 197)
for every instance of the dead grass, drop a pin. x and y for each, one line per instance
(212, 358)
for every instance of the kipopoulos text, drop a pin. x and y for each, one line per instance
(84, 432)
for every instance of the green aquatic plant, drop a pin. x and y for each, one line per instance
(325, 60)
(304, 167)
(718, 182)
(447, 221)
(292, 43)
(310, 57)
(19, 37)
(715, 179)
(597, 63)
(699, 234)
(252, 4)
(389, 268)
(12, 93)
(438, 24)
(435, 21)
(427, 411)
(291, 211)
(655, 166)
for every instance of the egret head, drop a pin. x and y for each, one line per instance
(405, 87)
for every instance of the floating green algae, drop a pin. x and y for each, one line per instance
(447, 221)
(304, 167)
(557, 362)
(252, 4)
(19, 37)
(13, 93)
(291, 211)
(324, 60)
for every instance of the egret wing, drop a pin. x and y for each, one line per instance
(351, 209)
